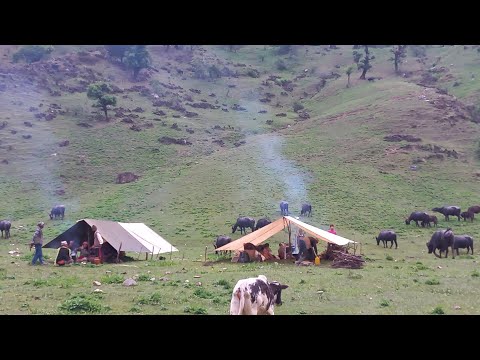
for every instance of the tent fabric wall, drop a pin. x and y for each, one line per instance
(255, 237)
(321, 234)
(148, 238)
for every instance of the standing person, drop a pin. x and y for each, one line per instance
(97, 242)
(37, 241)
(332, 229)
(63, 254)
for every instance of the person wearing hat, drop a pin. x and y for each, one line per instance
(37, 241)
(63, 254)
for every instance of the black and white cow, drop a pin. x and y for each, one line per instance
(256, 296)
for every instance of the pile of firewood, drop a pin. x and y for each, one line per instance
(329, 253)
(345, 260)
(341, 258)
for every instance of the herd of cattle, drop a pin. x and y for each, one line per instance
(58, 211)
(442, 239)
(257, 296)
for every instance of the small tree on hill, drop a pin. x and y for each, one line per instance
(101, 93)
(399, 52)
(364, 63)
(349, 72)
(32, 53)
(137, 58)
(117, 51)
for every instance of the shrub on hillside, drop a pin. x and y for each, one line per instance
(280, 64)
(32, 53)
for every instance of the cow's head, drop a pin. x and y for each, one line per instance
(430, 247)
(277, 288)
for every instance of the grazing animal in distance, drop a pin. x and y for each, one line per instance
(306, 210)
(220, 241)
(284, 208)
(448, 210)
(262, 222)
(5, 225)
(463, 242)
(57, 211)
(475, 209)
(467, 215)
(418, 216)
(256, 296)
(386, 236)
(244, 222)
(442, 240)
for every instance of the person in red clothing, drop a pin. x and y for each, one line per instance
(332, 229)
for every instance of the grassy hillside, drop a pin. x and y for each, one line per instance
(242, 159)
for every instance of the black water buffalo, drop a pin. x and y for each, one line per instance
(431, 219)
(442, 239)
(284, 207)
(243, 223)
(418, 216)
(262, 222)
(448, 210)
(386, 236)
(463, 242)
(5, 226)
(306, 210)
(220, 241)
(467, 215)
(57, 211)
(475, 209)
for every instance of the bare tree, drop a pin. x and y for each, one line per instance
(364, 63)
(399, 52)
(349, 72)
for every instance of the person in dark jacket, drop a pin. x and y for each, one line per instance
(37, 241)
(63, 255)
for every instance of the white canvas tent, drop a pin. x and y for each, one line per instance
(136, 237)
(148, 238)
(285, 222)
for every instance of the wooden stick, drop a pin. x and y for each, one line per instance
(206, 253)
(118, 253)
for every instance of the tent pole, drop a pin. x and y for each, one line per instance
(153, 250)
(118, 253)
(159, 252)
(206, 253)
(289, 235)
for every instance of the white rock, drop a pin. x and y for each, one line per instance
(98, 291)
(152, 279)
(97, 283)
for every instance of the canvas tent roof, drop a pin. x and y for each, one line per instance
(262, 234)
(136, 237)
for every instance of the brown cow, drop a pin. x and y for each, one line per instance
(475, 209)
(467, 215)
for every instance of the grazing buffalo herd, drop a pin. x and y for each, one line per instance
(58, 211)
(442, 239)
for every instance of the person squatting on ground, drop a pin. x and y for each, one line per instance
(63, 255)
